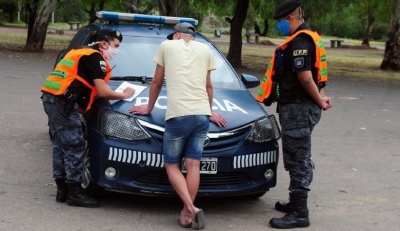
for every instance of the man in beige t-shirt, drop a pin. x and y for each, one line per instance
(186, 66)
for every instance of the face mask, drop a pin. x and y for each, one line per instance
(283, 27)
(110, 53)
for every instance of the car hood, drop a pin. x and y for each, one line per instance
(238, 107)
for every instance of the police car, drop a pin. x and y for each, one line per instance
(124, 151)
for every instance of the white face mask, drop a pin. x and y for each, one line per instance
(110, 53)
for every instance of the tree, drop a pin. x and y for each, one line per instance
(171, 7)
(9, 7)
(391, 59)
(139, 6)
(36, 39)
(93, 9)
(236, 24)
(31, 9)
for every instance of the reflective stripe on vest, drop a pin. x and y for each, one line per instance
(320, 63)
(66, 71)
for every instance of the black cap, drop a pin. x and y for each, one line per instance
(286, 7)
(183, 27)
(101, 35)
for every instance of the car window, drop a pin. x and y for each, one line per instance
(135, 58)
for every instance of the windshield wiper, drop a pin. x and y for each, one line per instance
(142, 79)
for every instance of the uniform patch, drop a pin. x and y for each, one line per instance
(299, 62)
(103, 66)
(299, 52)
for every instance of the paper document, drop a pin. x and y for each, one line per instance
(138, 89)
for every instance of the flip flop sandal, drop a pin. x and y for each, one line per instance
(199, 220)
(188, 225)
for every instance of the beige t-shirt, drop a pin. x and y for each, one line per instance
(186, 66)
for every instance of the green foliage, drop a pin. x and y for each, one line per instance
(341, 18)
(64, 9)
(380, 31)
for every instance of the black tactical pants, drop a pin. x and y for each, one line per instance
(67, 137)
(297, 122)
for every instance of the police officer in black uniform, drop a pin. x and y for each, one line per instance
(70, 89)
(301, 101)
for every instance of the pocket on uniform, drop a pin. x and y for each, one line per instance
(297, 133)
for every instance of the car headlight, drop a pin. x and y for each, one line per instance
(118, 125)
(264, 129)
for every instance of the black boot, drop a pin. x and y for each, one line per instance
(77, 197)
(298, 217)
(285, 207)
(62, 190)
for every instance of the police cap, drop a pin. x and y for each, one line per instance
(106, 34)
(285, 7)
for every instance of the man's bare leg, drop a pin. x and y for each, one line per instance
(179, 183)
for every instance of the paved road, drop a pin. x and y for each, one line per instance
(356, 151)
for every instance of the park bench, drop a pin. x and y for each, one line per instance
(255, 35)
(336, 43)
(74, 23)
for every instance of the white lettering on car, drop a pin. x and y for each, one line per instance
(231, 106)
(161, 103)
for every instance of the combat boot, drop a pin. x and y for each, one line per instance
(298, 217)
(62, 190)
(285, 207)
(77, 197)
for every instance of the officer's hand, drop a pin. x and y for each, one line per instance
(326, 103)
(128, 92)
(218, 119)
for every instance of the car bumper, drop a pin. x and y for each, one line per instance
(139, 168)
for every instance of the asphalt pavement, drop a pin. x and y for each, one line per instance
(355, 148)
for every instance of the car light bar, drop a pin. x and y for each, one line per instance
(108, 15)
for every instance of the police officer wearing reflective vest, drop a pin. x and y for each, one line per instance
(295, 79)
(70, 89)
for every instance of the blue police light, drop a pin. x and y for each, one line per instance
(143, 18)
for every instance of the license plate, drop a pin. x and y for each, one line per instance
(208, 165)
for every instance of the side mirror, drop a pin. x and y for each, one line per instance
(250, 81)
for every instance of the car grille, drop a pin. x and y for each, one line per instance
(230, 141)
(219, 179)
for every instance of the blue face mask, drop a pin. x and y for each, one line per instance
(283, 27)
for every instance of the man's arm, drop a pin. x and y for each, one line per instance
(306, 80)
(215, 117)
(155, 88)
(209, 88)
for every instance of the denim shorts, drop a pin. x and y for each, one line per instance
(184, 136)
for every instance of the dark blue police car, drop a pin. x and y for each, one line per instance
(125, 151)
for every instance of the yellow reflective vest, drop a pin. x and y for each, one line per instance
(321, 64)
(66, 71)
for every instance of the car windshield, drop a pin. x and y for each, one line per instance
(135, 58)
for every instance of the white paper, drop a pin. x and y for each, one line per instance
(124, 85)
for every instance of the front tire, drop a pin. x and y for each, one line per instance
(87, 183)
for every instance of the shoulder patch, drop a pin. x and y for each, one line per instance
(103, 66)
(299, 62)
(300, 52)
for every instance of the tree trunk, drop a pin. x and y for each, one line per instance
(31, 16)
(235, 46)
(36, 40)
(266, 26)
(368, 29)
(257, 29)
(391, 59)
(92, 10)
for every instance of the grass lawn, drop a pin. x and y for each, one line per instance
(351, 61)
